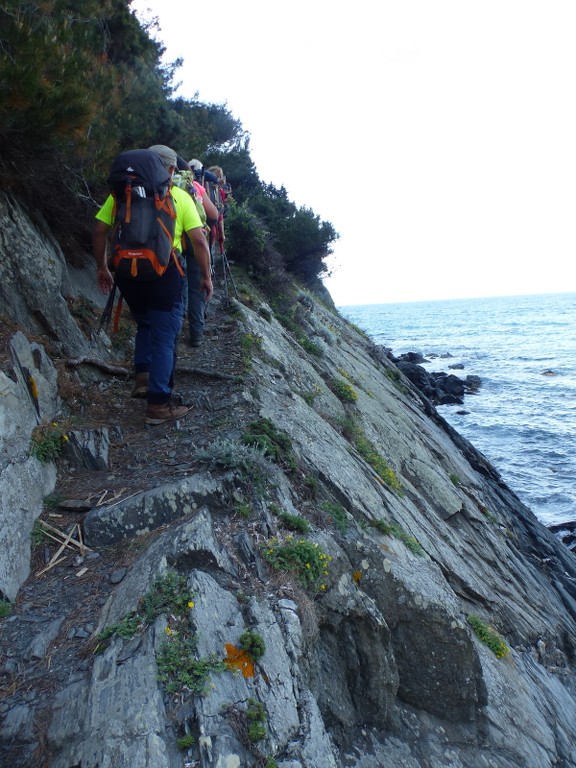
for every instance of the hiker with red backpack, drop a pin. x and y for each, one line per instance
(147, 217)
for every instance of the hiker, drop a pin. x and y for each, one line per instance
(219, 173)
(156, 304)
(194, 299)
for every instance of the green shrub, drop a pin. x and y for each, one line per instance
(5, 608)
(299, 556)
(180, 671)
(48, 441)
(488, 635)
(343, 391)
(253, 644)
(169, 594)
(256, 720)
(274, 444)
(185, 742)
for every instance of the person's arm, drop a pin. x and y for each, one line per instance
(99, 247)
(209, 207)
(202, 255)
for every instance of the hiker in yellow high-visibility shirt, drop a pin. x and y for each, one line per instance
(156, 305)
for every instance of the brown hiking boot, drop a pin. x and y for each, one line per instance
(140, 385)
(163, 412)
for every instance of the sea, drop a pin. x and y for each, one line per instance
(523, 348)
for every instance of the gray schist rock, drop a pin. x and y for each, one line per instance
(34, 278)
(379, 669)
(26, 400)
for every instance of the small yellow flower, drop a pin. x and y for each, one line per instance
(168, 631)
(191, 604)
(65, 438)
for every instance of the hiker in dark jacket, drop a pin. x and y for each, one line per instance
(156, 305)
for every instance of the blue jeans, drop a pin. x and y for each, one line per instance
(194, 298)
(156, 306)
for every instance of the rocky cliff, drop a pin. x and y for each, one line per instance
(314, 570)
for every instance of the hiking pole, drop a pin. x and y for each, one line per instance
(226, 265)
(222, 257)
(107, 313)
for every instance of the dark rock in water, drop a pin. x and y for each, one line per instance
(418, 376)
(439, 387)
(456, 367)
(413, 357)
(566, 532)
(472, 384)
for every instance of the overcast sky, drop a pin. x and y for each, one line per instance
(437, 136)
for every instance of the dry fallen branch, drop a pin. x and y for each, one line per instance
(208, 374)
(116, 370)
(56, 557)
(58, 535)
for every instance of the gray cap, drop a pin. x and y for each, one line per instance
(167, 155)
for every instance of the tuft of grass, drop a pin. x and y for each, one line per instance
(311, 395)
(359, 330)
(454, 479)
(393, 529)
(38, 534)
(287, 319)
(245, 510)
(5, 608)
(369, 453)
(338, 515)
(396, 378)
(294, 522)
(265, 313)
(378, 463)
(489, 636)
(233, 455)
(250, 343)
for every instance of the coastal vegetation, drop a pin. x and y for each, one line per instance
(83, 81)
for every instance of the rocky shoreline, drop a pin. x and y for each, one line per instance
(443, 388)
(439, 387)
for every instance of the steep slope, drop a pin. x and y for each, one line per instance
(288, 578)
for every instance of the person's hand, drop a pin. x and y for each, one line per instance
(104, 279)
(207, 287)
